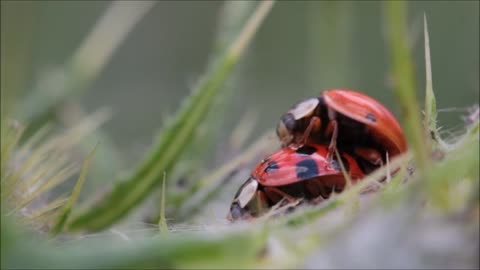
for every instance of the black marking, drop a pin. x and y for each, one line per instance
(306, 169)
(306, 150)
(272, 167)
(289, 121)
(371, 117)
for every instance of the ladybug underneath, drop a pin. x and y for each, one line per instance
(302, 173)
(347, 119)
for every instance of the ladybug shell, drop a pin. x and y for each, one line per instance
(288, 166)
(382, 123)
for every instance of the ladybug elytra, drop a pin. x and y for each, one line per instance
(347, 119)
(289, 173)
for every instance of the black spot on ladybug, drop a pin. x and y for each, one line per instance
(336, 164)
(289, 121)
(272, 167)
(371, 117)
(306, 150)
(306, 169)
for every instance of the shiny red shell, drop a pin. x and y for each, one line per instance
(288, 166)
(358, 106)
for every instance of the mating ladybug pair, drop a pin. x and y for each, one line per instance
(363, 131)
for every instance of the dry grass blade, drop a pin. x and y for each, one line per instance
(48, 183)
(38, 165)
(10, 138)
(52, 206)
(31, 165)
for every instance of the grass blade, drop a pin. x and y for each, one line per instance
(190, 250)
(131, 191)
(87, 62)
(430, 102)
(162, 222)
(62, 219)
(198, 155)
(403, 71)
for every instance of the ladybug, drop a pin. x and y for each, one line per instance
(303, 173)
(353, 121)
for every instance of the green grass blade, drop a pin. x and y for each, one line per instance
(62, 219)
(172, 141)
(198, 154)
(403, 73)
(431, 114)
(189, 250)
(430, 102)
(162, 221)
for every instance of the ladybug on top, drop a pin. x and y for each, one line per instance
(306, 168)
(345, 119)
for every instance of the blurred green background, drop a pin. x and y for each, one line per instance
(303, 47)
(300, 49)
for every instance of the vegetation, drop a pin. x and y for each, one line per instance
(426, 215)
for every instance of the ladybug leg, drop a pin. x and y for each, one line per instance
(318, 199)
(270, 190)
(369, 154)
(332, 128)
(262, 202)
(313, 126)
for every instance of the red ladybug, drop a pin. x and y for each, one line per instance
(290, 173)
(347, 119)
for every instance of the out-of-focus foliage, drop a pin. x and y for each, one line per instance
(61, 60)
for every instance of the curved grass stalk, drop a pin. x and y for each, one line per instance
(87, 62)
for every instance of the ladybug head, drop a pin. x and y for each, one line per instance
(245, 194)
(285, 128)
(292, 121)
